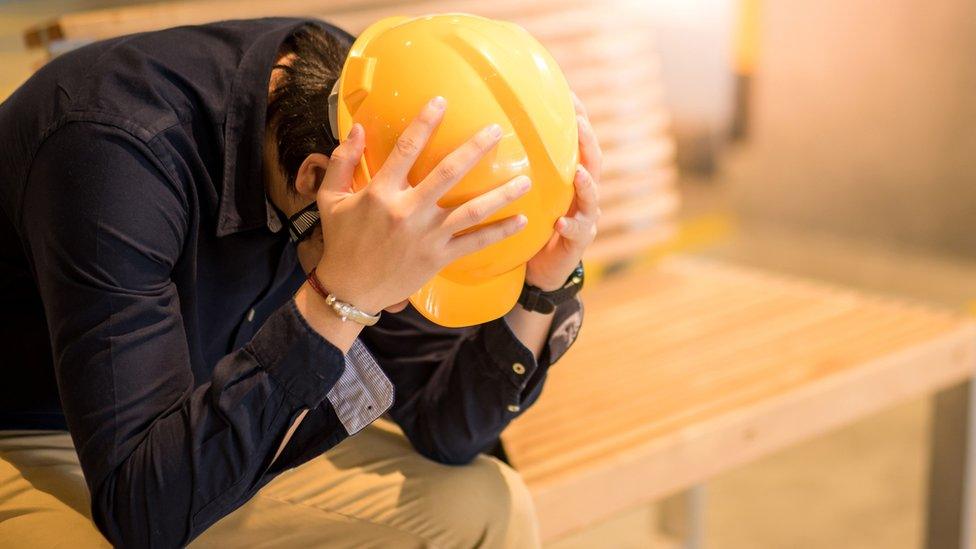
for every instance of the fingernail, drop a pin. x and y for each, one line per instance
(521, 220)
(438, 102)
(495, 131)
(523, 183)
(354, 131)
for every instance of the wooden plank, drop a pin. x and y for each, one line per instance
(354, 15)
(549, 20)
(109, 22)
(638, 158)
(685, 371)
(620, 188)
(609, 248)
(640, 209)
(622, 126)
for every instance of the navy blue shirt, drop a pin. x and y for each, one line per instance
(146, 306)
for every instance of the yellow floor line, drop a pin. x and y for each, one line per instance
(692, 234)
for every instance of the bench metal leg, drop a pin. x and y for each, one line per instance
(952, 466)
(683, 517)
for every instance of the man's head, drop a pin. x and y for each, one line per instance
(298, 140)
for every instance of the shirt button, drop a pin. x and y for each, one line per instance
(250, 315)
(514, 408)
(518, 368)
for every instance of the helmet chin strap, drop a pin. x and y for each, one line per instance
(301, 225)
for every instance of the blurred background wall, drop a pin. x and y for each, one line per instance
(697, 44)
(864, 122)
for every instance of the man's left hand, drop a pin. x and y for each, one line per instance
(549, 269)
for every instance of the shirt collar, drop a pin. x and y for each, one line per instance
(243, 203)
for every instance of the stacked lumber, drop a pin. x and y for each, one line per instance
(606, 52)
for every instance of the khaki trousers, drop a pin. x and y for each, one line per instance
(372, 490)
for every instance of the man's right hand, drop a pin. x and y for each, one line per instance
(383, 242)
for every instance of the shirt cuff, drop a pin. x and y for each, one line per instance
(566, 323)
(515, 360)
(296, 356)
(363, 392)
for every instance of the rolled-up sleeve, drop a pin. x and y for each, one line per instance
(457, 389)
(164, 456)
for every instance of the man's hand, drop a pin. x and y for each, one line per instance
(550, 268)
(384, 241)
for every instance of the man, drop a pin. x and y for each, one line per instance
(154, 307)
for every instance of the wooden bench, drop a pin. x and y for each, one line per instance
(685, 370)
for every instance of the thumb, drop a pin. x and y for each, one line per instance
(343, 162)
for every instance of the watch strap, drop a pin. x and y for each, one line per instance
(536, 299)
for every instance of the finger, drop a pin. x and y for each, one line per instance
(587, 194)
(483, 237)
(343, 162)
(579, 106)
(590, 154)
(413, 140)
(454, 166)
(581, 231)
(477, 209)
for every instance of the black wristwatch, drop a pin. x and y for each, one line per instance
(535, 299)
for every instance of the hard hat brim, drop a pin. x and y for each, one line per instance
(454, 305)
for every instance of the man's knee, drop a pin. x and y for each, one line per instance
(484, 504)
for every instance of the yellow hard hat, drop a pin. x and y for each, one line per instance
(490, 72)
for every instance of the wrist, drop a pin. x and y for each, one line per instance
(350, 293)
(549, 283)
(521, 309)
(546, 298)
(529, 327)
(546, 286)
(323, 319)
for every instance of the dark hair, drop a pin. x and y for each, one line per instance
(298, 108)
